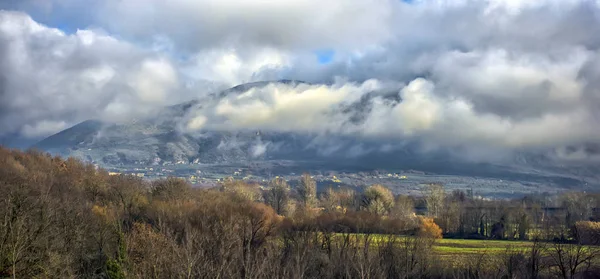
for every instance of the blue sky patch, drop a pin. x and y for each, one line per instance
(66, 27)
(325, 56)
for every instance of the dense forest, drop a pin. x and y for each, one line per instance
(62, 218)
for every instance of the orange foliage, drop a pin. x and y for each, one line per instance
(429, 229)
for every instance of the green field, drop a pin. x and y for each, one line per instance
(449, 247)
(463, 251)
(453, 247)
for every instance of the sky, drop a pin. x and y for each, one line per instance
(477, 74)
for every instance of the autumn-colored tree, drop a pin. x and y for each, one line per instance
(61, 218)
(242, 189)
(429, 229)
(170, 189)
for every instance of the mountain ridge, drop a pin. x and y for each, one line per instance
(158, 140)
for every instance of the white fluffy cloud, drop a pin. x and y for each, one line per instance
(232, 67)
(425, 113)
(289, 108)
(51, 80)
(154, 81)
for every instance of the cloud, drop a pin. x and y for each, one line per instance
(291, 24)
(154, 80)
(259, 148)
(477, 75)
(281, 107)
(426, 113)
(43, 128)
(232, 67)
(51, 80)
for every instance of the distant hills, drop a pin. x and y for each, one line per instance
(158, 139)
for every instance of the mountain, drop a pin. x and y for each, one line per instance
(156, 139)
(71, 137)
(159, 139)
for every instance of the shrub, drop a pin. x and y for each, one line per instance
(429, 229)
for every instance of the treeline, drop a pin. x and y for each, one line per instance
(66, 219)
(541, 217)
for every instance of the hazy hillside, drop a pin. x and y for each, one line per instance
(162, 138)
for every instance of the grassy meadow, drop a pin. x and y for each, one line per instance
(461, 252)
(457, 247)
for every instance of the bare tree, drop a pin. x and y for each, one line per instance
(404, 207)
(340, 200)
(434, 197)
(578, 207)
(278, 195)
(330, 201)
(307, 190)
(570, 260)
(534, 263)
